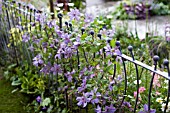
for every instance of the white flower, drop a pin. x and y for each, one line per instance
(168, 107)
(163, 106)
(160, 100)
(109, 16)
(135, 82)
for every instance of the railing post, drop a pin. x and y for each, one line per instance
(130, 48)
(52, 9)
(155, 59)
(60, 16)
(166, 63)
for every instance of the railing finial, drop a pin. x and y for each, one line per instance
(117, 43)
(130, 48)
(156, 58)
(166, 62)
(99, 35)
(82, 30)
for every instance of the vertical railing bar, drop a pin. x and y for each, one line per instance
(30, 18)
(60, 16)
(155, 58)
(114, 74)
(166, 63)
(130, 48)
(125, 74)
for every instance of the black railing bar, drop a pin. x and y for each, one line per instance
(163, 74)
(29, 13)
(26, 12)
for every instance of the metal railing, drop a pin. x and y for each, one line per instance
(15, 13)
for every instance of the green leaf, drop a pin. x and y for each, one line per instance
(112, 42)
(13, 91)
(46, 102)
(11, 66)
(16, 83)
(64, 111)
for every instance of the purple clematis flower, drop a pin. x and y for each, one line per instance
(56, 28)
(59, 32)
(98, 109)
(37, 41)
(25, 37)
(83, 86)
(68, 52)
(19, 26)
(82, 72)
(51, 24)
(38, 99)
(108, 50)
(88, 18)
(109, 109)
(168, 39)
(41, 18)
(31, 48)
(127, 104)
(112, 32)
(111, 85)
(69, 75)
(145, 110)
(56, 69)
(95, 94)
(66, 38)
(117, 52)
(76, 44)
(103, 32)
(46, 69)
(37, 60)
(44, 44)
(44, 109)
(74, 14)
(83, 100)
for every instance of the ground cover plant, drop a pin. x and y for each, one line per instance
(67, 65)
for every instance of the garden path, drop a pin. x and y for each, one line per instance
(154, 25)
